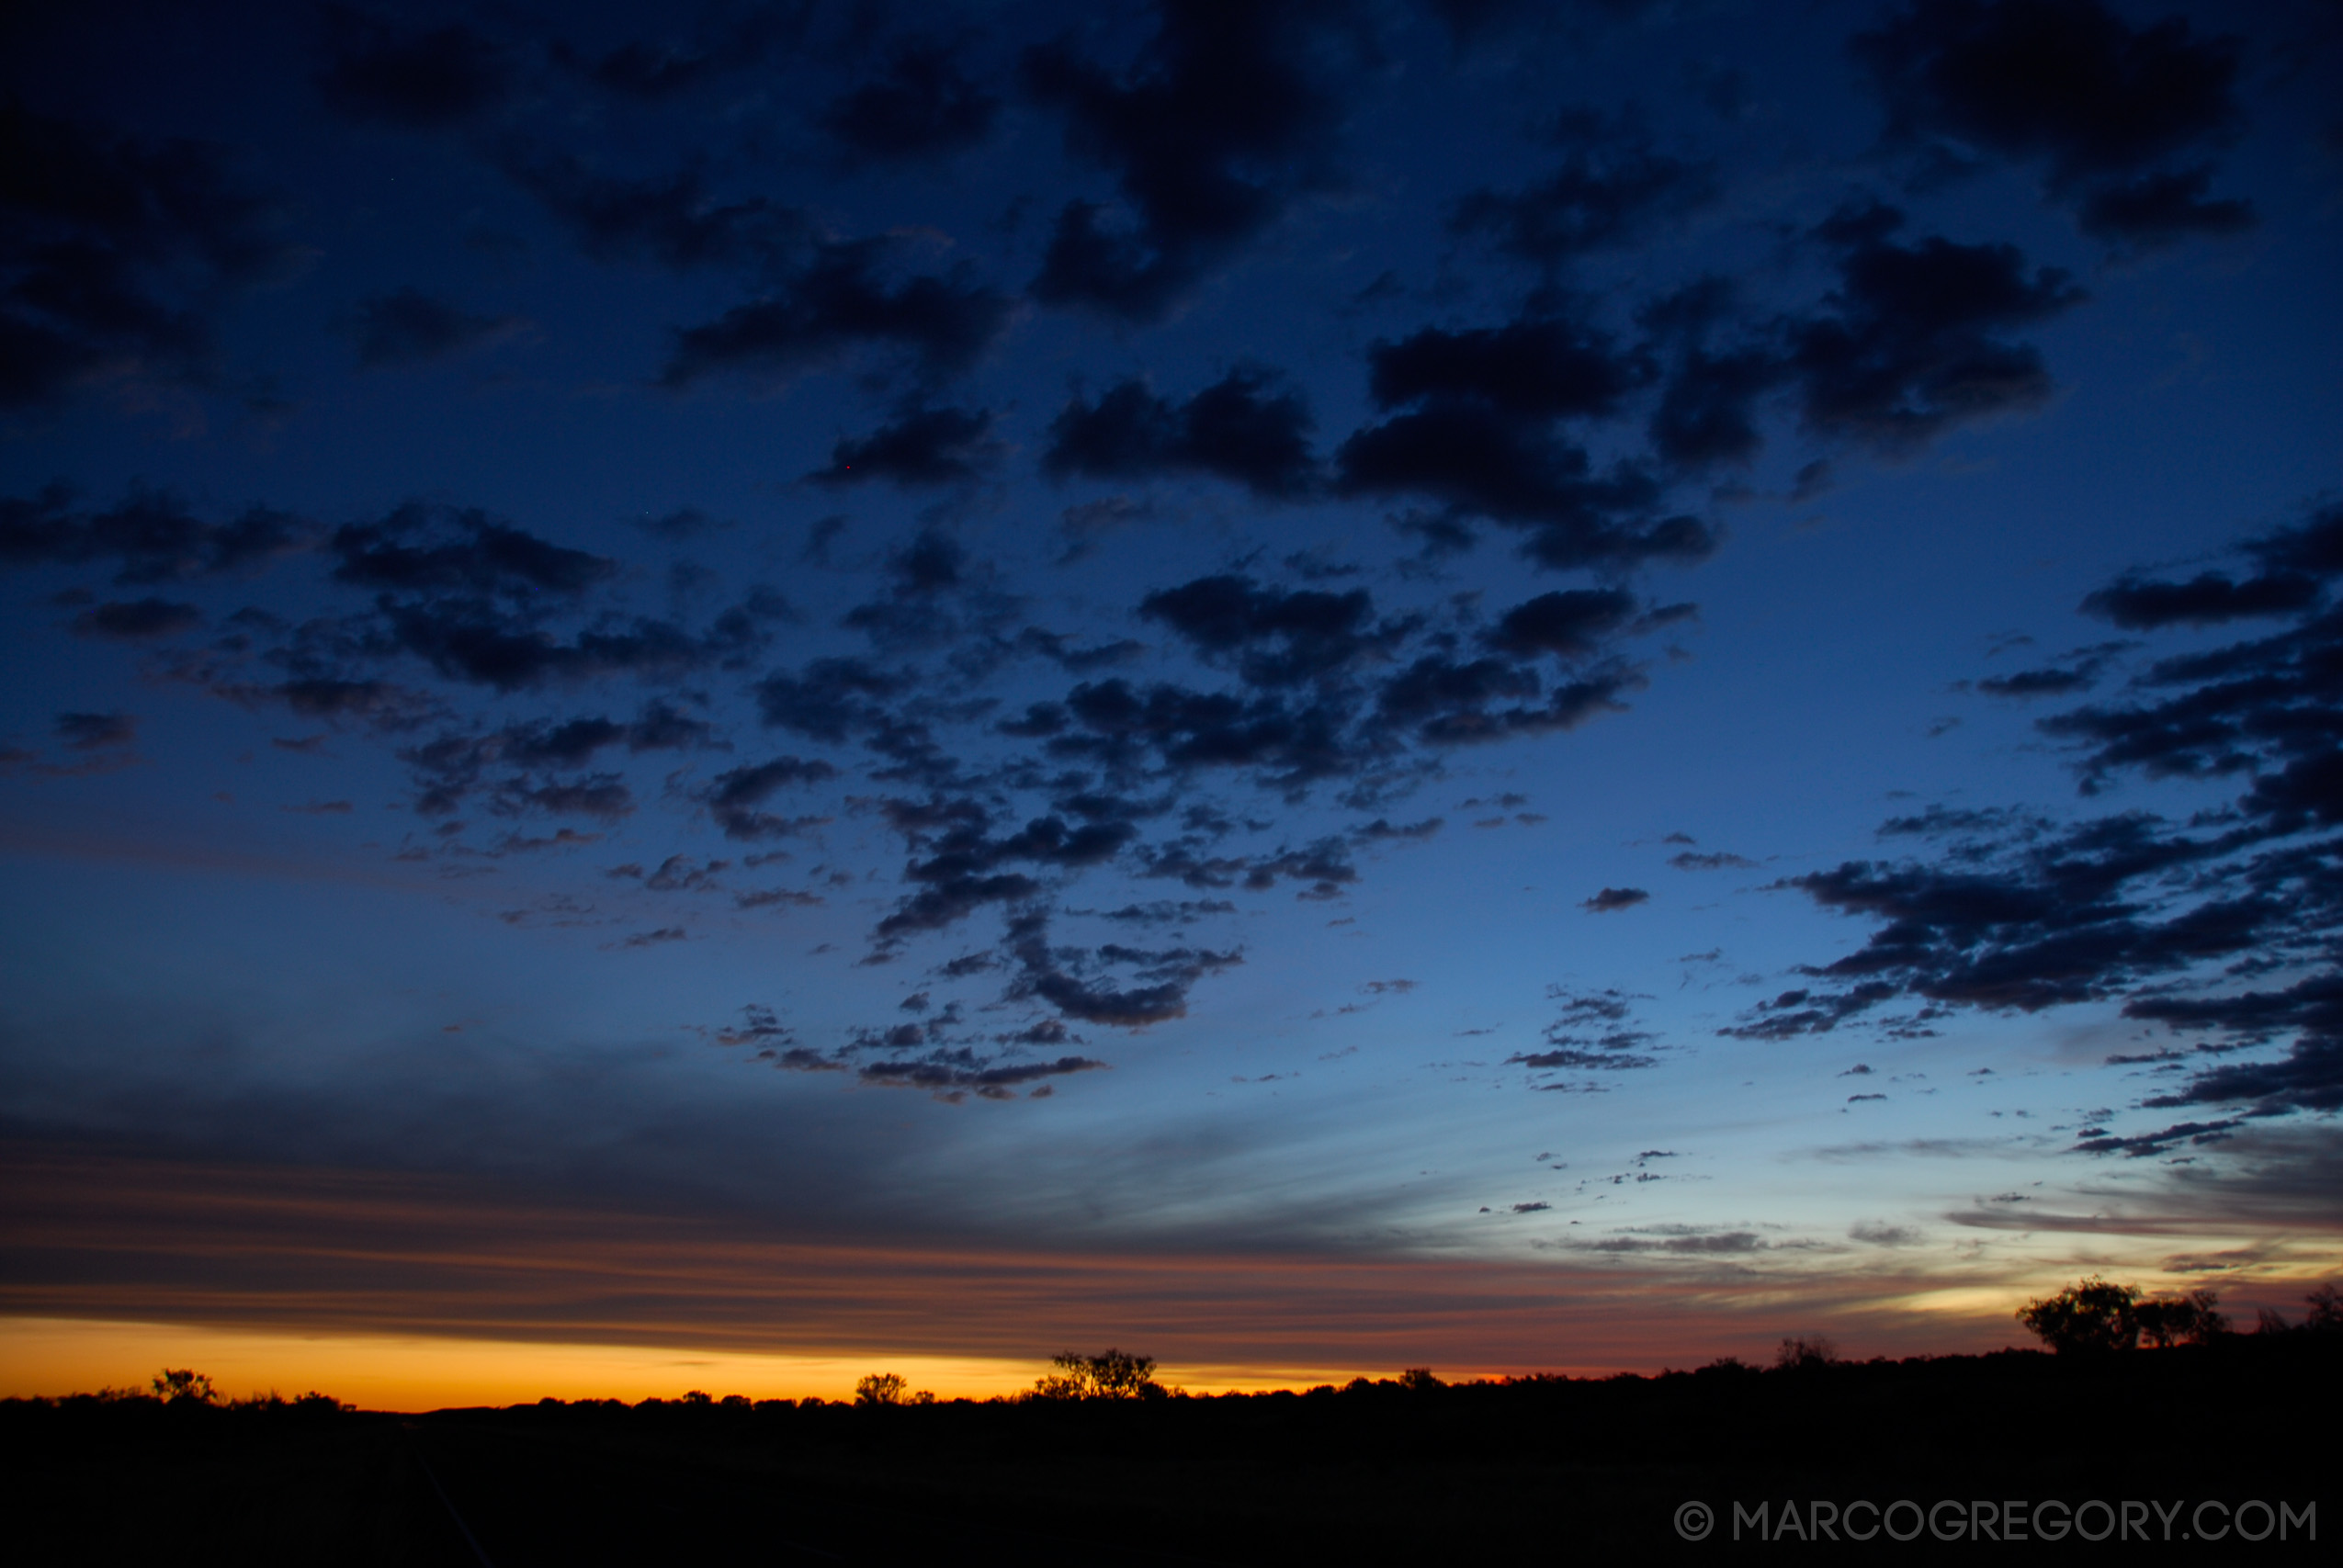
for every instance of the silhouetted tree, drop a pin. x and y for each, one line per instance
(1805, 1350)
(1112, 1375)
(2325, 1310)
(173, 1385)
(2180, 1320)
(881, 1388)
(2086, 1317)
(1421, 1380)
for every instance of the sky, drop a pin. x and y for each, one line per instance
(734, 691)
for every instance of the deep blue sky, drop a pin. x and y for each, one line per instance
(1638, 649)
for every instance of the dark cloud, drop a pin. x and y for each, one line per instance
(1475, 22)
(117, 256)
(389, 708)
(683, 523)
(1289, 743)
(842, 298)
(1277, 638)
(1383, 831)
(932, 563)
(1612, 898)
(138, 619)
(2179, 922)
(1216, 126)
(1568, 625)
(929, 581)
(2042, 925)
(1247, 427)
(769, 897)
(2256, 704)
(1068, 978)
(2157, 210)
(1908, 347)
(662, 727)
(1534, 369)
(828, 699)
(920, 108)
(515, 843)
(963, 1070)
(734, 798)
(1801, 1012)
(1473, 461)
(601, 795)
(1594, 1033)
(407, 326)
(819, 297)
(1480, 437)
(574, 742)
(510, 763)
(1690, 860)
(151, 535)
(1469, 19)
(1166, 911)
(1324, 866)
(475, 639)
(920, 445)
(478, 598)
(2314, 546)
(2048, 682)
(725, 41)
(1939, 821)
(1611, 186)
(1579, 1059)
(673, 220)
(1707, 411)
(1042, 1032)
(645, 73)
(956, 862)
(377, 71)
(681, 873)
(2138, 603)
(1448, 701)
(2163, 1140)
(759, 1025)
(423, 549)
(2070, 83)
(1680, 1239)
(2308, 1077)
(1076, 661)
(95, 731)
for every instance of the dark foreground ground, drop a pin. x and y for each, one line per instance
(1529, 1471)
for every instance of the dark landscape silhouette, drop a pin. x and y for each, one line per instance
(2133, 1397)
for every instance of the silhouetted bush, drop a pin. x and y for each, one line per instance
(2094, 1315)
(1112, 1375)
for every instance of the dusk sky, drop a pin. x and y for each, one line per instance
(721, 695)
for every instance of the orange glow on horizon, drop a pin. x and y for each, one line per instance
(51, 1357)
